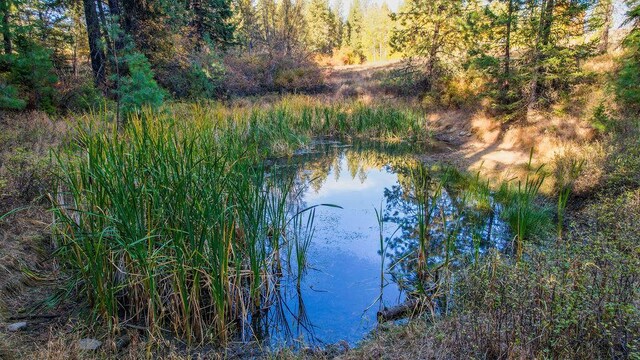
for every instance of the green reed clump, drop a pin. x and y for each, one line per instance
(169, 225)
(293, 121)
(524, 215)
(174, 224)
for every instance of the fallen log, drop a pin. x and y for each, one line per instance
(399, 311)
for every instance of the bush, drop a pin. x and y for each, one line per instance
(9, 98)
(294, 80)
(83, 97)
(252, 74)
(206, 80)
(138, 88)
(31, 73)
(349, 56)
(403, 82)
(199, 77)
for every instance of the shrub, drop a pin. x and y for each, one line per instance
(206, 80)
(9, 98)
(199, 77)
(348, 56)
(404, 81)
(31, 73)
(83, 97)
(293, 80)
(138, 88)
(251, 74)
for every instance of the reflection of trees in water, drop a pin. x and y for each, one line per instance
(459, 221)
(315, 166)
(284, 316)
(458, 217)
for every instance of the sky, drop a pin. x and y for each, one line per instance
(620, 8)
(394, 5)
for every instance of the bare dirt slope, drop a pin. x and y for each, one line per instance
(472, 137)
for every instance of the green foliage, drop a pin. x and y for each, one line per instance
(322, 27)
(31, 73)
(185, 211)
(525, 215)
(205, 82)
(601, 120)
(566, 173)
(9, 98)
(176, 211)
(84, 97)
(628, 83)
(429, 29)
(377, 28)
(353, 27)
(138, 88)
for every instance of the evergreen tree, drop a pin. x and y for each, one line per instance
(628, 80)
(322, 27)
(431, 29)
(5, 13)
(353, 26)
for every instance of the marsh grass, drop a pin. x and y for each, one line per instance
(173, 223)
(169, 226)
(525, 215)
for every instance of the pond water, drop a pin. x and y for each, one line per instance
(351, 274)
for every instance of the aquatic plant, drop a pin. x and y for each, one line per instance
(169, 225)
(521, 211)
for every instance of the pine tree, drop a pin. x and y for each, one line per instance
(322, 27)
(354, 27)
(376, 33)
(431, 29)
(5, 8)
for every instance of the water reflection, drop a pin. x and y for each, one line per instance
(427, 217)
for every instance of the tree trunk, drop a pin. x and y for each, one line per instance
(544, 36)
(397, 312)
(433, 51)
(547, 22)
(6, 31)
(95, 47)
(507, 52)
(603, 44)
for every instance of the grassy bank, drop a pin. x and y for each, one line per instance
(170, 225)
(174, 222)
(573, 295)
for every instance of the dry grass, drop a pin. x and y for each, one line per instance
(558, 135)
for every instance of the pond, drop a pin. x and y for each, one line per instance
(364, 250)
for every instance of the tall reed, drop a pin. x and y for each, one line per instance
(173, 222)
(169, 225)
(521, 211)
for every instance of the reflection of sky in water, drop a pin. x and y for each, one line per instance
(352, 229)
(340, 292)
(344, 279)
